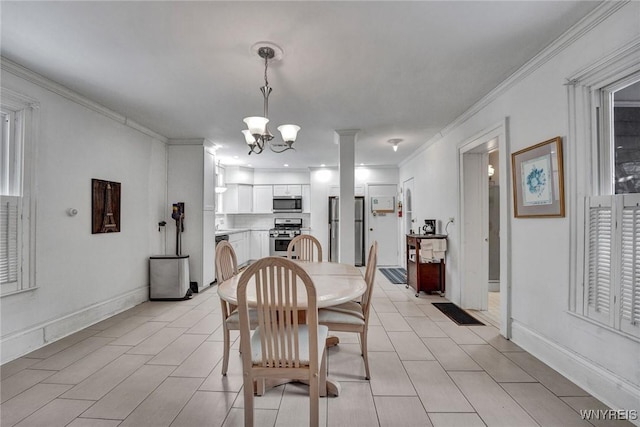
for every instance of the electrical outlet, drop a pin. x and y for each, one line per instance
(450, 219)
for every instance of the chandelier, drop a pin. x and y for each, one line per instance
(257, 135)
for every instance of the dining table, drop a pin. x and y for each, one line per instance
(335, 284)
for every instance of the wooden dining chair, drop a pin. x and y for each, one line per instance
(227, 267)
(282, 345)
(304, 247)
(353, 316)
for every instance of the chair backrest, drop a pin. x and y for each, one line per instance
(370, 277)
(303, 248)
(226, 261)
(276, 281)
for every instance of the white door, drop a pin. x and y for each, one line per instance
(383, 227)
(475, 246)
(408, 221)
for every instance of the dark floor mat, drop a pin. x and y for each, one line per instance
(395, 275)
(456, 314)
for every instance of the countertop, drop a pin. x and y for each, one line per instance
(232, 231)
(242, 230)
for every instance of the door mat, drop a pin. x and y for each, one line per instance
(456, 314)
(395, 275)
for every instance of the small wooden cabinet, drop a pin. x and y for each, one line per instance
(421, 275)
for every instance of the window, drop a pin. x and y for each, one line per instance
(16, 189)
(605, 117)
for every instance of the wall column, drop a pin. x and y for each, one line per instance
(346, 140)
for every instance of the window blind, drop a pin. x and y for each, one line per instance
(630, 265)
(10, 241)
(600, 232)
(613, 261)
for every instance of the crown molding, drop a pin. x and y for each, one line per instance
(39, 80)
(585, 25)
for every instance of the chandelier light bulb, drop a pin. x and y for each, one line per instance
(256, 125)
(289, 132)
(248, 137)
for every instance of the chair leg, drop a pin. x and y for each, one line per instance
(248, 400)
(365, 354)
(314, 401)
(227, 345)
(323, 375)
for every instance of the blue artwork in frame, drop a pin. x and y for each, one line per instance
(538, 188)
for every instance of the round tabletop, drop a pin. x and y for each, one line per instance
(335, 284)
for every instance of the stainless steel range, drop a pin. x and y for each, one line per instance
(283, 231)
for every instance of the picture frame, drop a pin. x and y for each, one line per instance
(538, 180)
(429, 226)
(105, 206)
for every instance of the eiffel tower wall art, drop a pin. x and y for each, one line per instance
(105, 207)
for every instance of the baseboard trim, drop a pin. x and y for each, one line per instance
(612, 390)
(22, 342)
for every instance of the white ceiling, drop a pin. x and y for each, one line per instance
(185, 69)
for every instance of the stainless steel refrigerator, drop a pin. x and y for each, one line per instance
(334, 229)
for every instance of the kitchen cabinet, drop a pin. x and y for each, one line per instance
(240, 242)
(209, 184)
(287, 190)
(306, 198)
(262, 199)
(259, 244)
(238, 198)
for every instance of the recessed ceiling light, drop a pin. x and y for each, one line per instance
(322, 165)
(361, 164)
(286, 165)
(250, 165)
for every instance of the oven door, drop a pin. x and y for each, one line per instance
(278, 245)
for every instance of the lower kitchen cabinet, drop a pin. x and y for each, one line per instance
(259, 244)
(241, 245)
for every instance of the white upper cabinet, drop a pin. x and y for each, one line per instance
(238, 198)
(262, 199)
(287, 190)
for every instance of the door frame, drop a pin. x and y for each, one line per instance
(489, 139)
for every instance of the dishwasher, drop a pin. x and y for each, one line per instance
(219, 238)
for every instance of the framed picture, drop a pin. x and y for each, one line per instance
(105, 206)
(538, 180)
(429, 226)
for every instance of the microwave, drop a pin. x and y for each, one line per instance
(287, 204)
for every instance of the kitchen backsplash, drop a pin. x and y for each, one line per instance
(256, 221)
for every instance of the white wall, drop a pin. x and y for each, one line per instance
(603, 362)
(83, 277)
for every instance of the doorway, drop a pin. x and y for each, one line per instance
(484, 231)
(493, 296)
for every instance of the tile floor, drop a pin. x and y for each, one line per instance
(158, 364)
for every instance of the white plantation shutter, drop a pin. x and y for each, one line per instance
(10, 243)
(630, 265)
(600, 233)
(612, 294)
